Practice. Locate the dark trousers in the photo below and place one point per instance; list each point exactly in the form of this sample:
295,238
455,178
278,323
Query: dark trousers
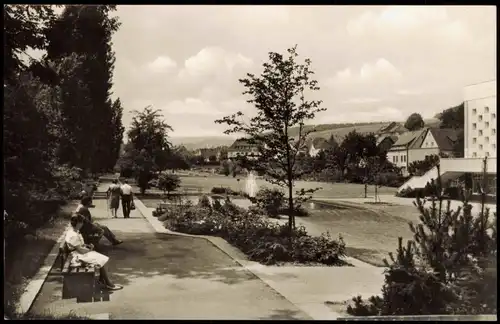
92,233
126,201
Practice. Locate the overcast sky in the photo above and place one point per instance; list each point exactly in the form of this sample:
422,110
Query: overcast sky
372,63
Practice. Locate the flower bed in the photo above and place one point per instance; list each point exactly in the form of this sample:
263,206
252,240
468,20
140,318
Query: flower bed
260,239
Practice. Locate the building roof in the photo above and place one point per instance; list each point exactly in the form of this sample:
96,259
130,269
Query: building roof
382,138
241,144
408,138
445,137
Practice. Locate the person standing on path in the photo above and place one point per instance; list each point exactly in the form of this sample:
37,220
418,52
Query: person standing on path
126,192
113,195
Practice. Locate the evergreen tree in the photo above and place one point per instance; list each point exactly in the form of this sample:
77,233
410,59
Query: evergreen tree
449,268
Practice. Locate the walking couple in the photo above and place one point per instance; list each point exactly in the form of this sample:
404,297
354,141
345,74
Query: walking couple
115,192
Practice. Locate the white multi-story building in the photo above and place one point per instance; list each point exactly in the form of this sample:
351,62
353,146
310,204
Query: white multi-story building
480,129
480,144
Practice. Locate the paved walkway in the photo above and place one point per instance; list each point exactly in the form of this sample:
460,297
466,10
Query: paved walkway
169,277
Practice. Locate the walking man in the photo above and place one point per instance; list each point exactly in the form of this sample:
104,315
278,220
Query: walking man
126,192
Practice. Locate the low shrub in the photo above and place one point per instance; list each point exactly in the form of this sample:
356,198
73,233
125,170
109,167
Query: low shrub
224,191
270,201
261,240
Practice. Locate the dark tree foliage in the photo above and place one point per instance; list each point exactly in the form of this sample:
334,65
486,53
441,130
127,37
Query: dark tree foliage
86,31
453,117
414,122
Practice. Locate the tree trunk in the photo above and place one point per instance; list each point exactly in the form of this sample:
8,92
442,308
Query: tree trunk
291,216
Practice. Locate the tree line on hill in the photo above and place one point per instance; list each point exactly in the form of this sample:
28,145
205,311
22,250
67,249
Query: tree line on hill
60,122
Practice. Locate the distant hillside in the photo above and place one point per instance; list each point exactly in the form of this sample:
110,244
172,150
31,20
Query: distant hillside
341,130
322,131
193,143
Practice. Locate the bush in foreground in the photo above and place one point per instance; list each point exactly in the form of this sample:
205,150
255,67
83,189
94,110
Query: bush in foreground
449,268
257,237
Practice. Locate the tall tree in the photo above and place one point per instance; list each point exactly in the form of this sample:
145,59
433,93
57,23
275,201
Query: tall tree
279,98
86,30
452,117
148,137
414,122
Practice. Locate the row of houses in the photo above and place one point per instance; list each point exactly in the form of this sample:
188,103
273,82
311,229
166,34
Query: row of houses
403,147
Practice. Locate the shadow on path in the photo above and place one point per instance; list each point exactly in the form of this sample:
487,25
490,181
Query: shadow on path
148,255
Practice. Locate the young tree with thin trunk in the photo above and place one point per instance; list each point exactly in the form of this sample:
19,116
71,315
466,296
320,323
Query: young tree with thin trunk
279,95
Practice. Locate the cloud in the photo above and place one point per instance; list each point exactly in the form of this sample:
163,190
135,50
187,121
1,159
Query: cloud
376,114
191,106
361,100
213,61
372,63
379,71
402,20
407,92
162,64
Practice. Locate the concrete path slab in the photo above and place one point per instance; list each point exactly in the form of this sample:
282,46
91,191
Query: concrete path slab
170,277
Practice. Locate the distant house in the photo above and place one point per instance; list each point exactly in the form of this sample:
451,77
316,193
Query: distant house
384,143
398,153
437,141
241,147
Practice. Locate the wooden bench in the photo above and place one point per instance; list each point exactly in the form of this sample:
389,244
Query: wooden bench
79,281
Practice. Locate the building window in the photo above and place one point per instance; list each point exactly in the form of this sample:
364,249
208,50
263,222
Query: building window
487,154
474,111
487,139
494,146
474,154
480,117
393,159
493,131
480,132
426,144
474,125
486,109
474,140
493,116
486,125
480,146
396,158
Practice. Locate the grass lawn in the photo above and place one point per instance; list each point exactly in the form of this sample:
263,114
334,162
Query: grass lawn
329,190
369,234
24,262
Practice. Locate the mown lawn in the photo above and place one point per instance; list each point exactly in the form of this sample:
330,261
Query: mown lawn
328,190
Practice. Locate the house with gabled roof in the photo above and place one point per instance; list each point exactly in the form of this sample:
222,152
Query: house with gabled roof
437,141
242,147
398,153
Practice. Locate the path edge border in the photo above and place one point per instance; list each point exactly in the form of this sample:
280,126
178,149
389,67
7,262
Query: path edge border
35,284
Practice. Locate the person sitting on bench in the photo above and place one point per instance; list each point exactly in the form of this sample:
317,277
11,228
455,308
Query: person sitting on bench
85,253
90,228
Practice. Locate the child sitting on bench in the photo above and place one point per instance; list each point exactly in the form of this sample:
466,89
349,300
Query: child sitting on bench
85,253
